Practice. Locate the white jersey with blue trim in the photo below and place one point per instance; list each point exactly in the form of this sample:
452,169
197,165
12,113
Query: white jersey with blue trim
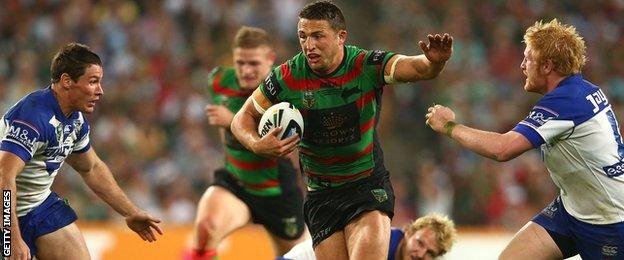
578,134
36,130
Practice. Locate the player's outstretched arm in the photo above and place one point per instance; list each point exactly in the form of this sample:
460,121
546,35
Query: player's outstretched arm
425,66
496,146
99,178
10,166
244,127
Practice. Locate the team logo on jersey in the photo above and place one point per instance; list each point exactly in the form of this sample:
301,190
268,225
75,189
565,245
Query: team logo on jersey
58,128
308,99
609,250
380,195
77,124
290,226
540,115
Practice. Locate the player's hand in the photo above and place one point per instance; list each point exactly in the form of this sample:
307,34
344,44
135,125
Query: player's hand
437,116
142,223
219,115
439,49
19,249
270,145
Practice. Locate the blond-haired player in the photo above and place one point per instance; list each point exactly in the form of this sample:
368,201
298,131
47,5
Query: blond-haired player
575,128
427,237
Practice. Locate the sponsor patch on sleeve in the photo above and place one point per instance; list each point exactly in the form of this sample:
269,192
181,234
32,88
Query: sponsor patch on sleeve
271,87
376,57
539,116
22,133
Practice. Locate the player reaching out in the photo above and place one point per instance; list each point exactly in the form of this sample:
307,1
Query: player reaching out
337,88
37,135
575,128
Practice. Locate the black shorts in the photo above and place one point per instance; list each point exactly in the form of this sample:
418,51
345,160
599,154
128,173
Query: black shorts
281,215
329,211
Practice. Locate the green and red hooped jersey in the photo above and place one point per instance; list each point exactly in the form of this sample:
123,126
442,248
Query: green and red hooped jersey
340,113
258,175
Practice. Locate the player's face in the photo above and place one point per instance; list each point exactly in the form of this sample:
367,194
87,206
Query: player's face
321,44
86,92
252,65
536,80
421,245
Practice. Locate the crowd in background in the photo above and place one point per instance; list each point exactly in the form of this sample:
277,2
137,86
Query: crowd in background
152,131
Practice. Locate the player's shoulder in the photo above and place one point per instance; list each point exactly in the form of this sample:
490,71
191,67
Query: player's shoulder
573,87
31,108
294,68
295,65
222,77
572,99
371,57
222,72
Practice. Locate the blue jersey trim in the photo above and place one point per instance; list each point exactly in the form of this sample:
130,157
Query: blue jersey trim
86,148
569,100
530,133
16,149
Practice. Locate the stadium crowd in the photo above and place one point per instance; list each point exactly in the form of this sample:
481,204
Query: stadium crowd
151,128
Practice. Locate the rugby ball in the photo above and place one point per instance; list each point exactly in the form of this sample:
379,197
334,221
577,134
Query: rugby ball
282,114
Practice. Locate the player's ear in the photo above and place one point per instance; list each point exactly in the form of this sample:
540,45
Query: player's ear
66,81
547,66
342,36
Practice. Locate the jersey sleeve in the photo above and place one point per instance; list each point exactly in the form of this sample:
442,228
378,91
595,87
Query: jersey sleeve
20,135
271,87
83,142
377,61
553,116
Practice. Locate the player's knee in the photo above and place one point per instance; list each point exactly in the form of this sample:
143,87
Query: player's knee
209,226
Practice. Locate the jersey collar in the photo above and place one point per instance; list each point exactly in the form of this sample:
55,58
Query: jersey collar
56,107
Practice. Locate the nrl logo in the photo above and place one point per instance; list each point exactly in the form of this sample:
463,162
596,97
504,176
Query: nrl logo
380,195
308,99
290,226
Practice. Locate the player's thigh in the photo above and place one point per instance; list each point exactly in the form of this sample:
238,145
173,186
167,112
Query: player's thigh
221,211
368,236
531,242
64,243
333,247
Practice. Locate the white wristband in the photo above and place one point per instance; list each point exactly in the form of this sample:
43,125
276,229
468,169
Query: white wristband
389,79
257,106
